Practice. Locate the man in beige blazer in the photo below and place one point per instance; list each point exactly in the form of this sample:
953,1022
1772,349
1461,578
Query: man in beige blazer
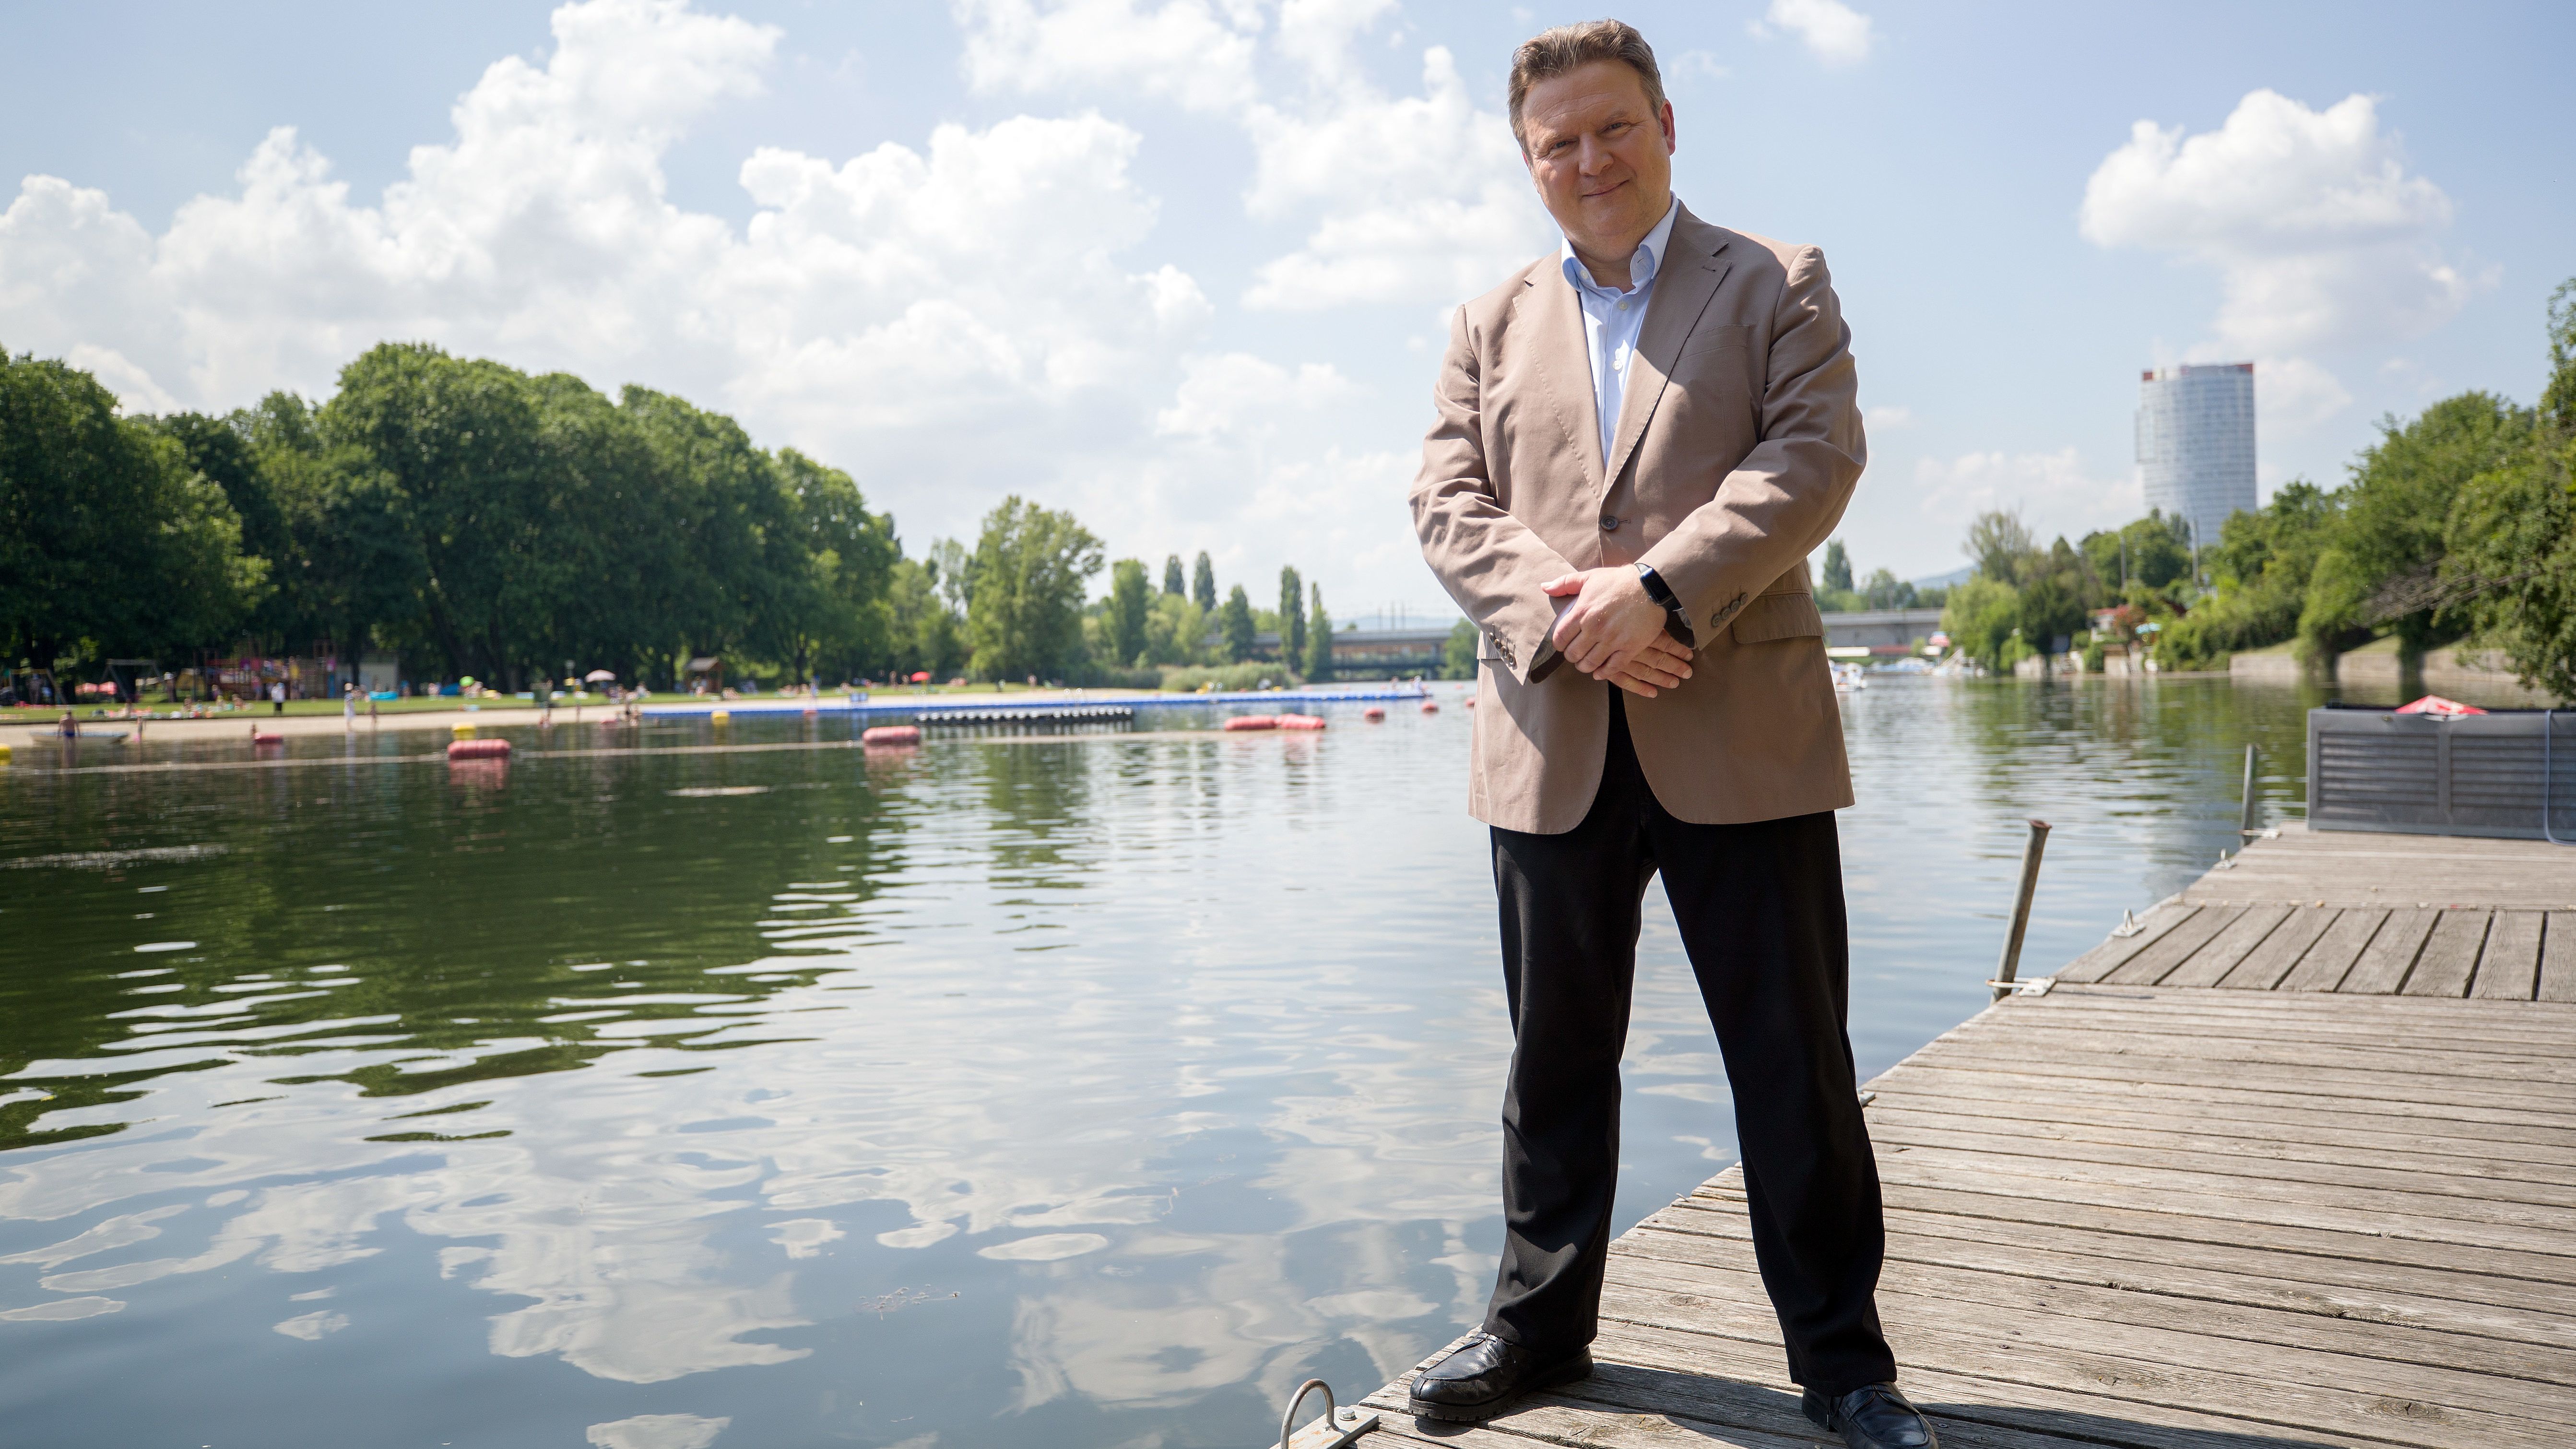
1639,441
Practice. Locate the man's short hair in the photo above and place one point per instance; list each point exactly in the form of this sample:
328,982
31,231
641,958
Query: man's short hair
1570,47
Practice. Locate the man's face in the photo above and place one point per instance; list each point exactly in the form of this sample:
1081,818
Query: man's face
1601,154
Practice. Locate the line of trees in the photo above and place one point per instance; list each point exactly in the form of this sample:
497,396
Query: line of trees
1837,594
482,521
2457,526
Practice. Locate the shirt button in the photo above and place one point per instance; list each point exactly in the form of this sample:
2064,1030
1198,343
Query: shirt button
1609,523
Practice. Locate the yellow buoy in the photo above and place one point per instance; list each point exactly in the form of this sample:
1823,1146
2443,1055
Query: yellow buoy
720,716
4,754
463,729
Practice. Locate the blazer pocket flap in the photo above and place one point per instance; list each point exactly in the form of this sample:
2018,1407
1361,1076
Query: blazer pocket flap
1779,616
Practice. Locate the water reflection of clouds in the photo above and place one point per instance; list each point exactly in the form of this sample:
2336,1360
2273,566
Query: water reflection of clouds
1034,1116
1243,1112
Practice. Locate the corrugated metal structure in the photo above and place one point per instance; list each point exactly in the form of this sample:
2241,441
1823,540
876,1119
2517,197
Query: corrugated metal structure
2510,773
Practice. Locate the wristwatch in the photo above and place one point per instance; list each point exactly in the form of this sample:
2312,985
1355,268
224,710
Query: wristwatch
1676,619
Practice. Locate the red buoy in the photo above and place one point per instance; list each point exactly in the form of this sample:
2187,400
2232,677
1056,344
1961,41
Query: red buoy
1471,704
267,737
1430,707
479,750
1301,722
1373,712
891,735
1252,722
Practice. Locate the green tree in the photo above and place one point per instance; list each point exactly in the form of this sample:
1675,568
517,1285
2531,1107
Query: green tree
2001,545
1319,641
106,533
221,450
1292,618
1175,631
1239,628
924,634
353,566
1838,569
1203,584
1458,651
1981,618
459,441
2054,587
2259,572
2149,553
1032,567
838,624
2381,564
1127,610
1173,582
2510,544
1885,591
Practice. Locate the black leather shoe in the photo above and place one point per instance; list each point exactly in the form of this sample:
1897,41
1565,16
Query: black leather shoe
1875,1416
1479,1379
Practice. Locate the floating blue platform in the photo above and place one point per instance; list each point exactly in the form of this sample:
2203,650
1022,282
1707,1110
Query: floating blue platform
929,708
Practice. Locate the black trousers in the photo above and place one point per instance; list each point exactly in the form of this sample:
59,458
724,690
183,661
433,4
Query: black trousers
1760,908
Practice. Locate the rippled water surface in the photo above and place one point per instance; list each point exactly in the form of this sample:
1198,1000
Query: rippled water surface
1081,1090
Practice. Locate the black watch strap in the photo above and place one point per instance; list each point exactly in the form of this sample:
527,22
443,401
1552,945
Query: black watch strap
1676,622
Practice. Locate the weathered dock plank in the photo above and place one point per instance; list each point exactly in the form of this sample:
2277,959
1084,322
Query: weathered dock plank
2295,1163
2558,957
2509,967
2331,959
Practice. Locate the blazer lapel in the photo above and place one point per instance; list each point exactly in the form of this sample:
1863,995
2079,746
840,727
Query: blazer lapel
1564,371
1683,286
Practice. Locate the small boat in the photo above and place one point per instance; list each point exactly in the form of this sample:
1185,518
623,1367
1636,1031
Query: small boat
1849,677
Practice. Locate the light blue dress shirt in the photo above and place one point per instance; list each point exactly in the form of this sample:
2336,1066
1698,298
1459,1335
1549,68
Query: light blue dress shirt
1612,319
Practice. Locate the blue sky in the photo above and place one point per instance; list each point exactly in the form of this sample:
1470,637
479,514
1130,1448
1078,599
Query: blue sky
1182,267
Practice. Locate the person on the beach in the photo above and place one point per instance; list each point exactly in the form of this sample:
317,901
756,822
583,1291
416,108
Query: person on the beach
277,697
1639,440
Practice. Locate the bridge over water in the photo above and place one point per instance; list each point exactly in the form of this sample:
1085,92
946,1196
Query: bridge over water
1367,653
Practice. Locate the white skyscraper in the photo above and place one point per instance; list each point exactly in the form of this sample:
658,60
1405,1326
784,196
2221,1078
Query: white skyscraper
2196,443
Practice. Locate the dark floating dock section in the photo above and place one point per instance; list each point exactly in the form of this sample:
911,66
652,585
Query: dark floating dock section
1027,714
2294,1163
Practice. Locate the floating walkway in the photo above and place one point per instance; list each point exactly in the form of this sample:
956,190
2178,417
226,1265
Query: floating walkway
904,709
2295,1163
975,714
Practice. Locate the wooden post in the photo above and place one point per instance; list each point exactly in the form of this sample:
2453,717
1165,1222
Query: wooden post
2245,815
2030,853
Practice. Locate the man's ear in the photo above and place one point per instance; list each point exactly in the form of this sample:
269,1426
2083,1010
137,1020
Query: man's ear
1672,138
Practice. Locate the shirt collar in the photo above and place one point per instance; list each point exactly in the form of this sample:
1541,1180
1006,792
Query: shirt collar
1642,266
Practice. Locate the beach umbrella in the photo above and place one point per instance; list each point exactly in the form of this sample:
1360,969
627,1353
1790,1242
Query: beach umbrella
921,676
596,675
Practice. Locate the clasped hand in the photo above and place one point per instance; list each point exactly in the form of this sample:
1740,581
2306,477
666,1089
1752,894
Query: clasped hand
1614,631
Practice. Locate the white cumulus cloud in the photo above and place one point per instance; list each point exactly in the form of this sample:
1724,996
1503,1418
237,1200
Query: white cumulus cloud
2054,492
872,310
1833,32
1184,51
1416,199
2321,236
1440,217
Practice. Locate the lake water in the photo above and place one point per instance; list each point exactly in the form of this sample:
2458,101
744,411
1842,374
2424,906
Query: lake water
1080,1090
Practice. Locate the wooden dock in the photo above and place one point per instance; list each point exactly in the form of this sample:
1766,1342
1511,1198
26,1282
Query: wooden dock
2295,1163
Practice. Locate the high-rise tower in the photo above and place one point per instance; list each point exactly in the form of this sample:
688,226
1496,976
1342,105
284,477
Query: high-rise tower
2196,443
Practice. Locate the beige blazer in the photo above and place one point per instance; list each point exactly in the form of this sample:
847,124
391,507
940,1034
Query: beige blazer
1738,445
